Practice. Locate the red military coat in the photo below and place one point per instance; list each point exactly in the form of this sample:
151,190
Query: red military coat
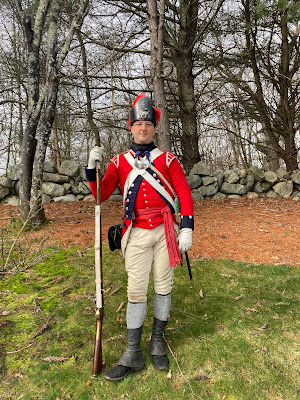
142,196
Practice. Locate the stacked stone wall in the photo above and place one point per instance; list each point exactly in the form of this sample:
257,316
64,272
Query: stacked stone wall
69,184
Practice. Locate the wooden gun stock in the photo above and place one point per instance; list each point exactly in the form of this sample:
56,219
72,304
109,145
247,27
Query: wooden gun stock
97,361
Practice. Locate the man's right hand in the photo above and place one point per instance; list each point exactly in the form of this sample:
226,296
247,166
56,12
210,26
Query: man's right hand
95,155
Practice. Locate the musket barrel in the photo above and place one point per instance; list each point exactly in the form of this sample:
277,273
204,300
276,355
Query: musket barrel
97,360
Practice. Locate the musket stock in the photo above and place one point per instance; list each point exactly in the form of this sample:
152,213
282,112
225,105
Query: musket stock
99,313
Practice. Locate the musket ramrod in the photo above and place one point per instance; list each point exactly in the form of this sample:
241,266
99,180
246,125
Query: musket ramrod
99,312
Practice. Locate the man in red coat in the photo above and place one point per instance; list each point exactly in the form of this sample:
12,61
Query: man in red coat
151,181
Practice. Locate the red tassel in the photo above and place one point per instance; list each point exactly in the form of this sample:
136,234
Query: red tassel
171,240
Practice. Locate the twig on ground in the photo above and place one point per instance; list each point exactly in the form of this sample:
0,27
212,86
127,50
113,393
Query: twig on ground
18,351
181,373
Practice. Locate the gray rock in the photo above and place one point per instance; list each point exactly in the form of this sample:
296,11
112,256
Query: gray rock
296,194
252,195
80,196
49,167
68,198
261,187
200,169
13,172
49,177
4,191
75,189
212,189
203,191
243,173
116,197
231,176
282,173
232,188
84,187
220,177
89,197
70,168
258,173
271,177
81,188
296,176
219,195
234,196
296,198
117,191
208,180
265,186
194,181
271,194
5,181
197,195
11,201
284,189
53,189
67,186
248,183
82,173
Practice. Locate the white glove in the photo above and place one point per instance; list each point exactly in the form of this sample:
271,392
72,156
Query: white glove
95,155
185,239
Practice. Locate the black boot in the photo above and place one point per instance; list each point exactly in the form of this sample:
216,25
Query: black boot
132,360
157,348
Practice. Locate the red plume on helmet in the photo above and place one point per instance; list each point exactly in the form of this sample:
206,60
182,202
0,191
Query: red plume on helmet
150,113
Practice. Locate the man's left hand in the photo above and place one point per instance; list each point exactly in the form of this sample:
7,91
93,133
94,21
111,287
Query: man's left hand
185,239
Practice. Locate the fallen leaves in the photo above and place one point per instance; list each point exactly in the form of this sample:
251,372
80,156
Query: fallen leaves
239,297
264,326
55,359
226,276
121,306
201,378
40,331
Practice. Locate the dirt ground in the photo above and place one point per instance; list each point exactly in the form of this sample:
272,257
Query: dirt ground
257,231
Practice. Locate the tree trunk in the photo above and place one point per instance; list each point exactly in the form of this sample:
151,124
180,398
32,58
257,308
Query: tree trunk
32,151
156,26
90,118
36,208
183,58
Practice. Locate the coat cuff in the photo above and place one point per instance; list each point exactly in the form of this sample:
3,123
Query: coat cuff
187,221
90,174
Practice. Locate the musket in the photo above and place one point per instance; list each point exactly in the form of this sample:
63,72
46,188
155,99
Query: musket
99,311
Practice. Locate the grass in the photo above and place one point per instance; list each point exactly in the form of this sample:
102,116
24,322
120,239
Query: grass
234,336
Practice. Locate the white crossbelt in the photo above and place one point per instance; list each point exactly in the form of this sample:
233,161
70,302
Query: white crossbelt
147,176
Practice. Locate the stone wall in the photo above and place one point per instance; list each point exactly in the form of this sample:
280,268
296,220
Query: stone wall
69,184
253,182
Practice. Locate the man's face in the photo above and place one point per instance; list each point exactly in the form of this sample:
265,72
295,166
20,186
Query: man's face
143,132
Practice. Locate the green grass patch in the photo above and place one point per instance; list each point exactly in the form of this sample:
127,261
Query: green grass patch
234,336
